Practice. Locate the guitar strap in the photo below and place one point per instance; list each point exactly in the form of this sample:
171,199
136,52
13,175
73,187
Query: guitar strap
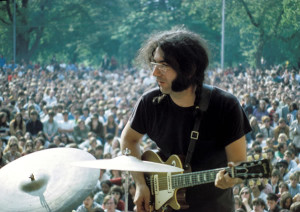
199,109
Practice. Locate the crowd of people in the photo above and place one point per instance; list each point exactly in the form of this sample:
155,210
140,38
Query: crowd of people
69,105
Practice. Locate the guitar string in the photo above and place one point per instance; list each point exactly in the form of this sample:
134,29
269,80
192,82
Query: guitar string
193,178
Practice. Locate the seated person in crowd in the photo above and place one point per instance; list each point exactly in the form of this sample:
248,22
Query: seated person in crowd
272,203
89,204
12,151
294,186
81,132
266,129
3,161
110,204
17,124
286,200
259,205
288,157
50,127
117,193
282,167
281,128
66,126
33,125
274,181
105,189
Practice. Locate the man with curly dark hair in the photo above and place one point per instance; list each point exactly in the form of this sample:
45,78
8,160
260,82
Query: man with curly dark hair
178,59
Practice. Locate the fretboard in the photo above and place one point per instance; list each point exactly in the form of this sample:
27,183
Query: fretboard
195,178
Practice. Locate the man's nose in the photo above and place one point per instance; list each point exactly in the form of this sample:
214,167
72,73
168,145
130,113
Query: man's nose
156,72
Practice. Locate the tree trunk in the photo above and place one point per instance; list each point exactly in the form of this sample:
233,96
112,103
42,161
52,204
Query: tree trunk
259,50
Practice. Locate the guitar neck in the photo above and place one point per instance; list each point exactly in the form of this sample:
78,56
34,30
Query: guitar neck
195,178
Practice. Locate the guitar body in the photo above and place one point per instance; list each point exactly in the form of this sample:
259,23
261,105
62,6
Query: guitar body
167,190
162,194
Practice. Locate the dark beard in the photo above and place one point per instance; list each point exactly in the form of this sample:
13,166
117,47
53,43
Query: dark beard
180,83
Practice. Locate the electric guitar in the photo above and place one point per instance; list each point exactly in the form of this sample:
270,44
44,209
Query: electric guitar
168,189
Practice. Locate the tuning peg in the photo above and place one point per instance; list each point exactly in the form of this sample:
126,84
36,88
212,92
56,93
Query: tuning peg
258,182
264,155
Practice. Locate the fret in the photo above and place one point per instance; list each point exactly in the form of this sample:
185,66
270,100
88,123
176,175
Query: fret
194,178
212,175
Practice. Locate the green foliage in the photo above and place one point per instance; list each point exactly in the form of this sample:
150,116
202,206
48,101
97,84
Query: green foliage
83,31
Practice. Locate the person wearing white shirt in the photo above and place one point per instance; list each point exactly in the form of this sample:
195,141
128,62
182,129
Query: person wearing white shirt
66,125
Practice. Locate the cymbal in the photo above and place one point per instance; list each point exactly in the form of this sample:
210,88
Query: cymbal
45,181
128,163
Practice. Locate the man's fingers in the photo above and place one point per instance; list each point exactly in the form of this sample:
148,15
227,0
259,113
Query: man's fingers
224,181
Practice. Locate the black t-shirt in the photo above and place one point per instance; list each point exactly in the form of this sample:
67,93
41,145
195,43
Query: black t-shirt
170,127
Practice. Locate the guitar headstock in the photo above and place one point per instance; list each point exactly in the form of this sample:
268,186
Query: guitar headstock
253,169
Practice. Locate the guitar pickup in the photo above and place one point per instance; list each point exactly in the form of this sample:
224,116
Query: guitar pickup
169,182
155,184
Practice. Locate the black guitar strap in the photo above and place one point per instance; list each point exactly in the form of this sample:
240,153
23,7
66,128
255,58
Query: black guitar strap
200,108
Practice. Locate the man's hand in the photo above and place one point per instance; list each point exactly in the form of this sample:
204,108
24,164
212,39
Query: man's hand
142,198
223,180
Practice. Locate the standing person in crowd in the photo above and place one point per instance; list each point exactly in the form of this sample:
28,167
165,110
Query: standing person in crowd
17,124
34,126
50,127
178,59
